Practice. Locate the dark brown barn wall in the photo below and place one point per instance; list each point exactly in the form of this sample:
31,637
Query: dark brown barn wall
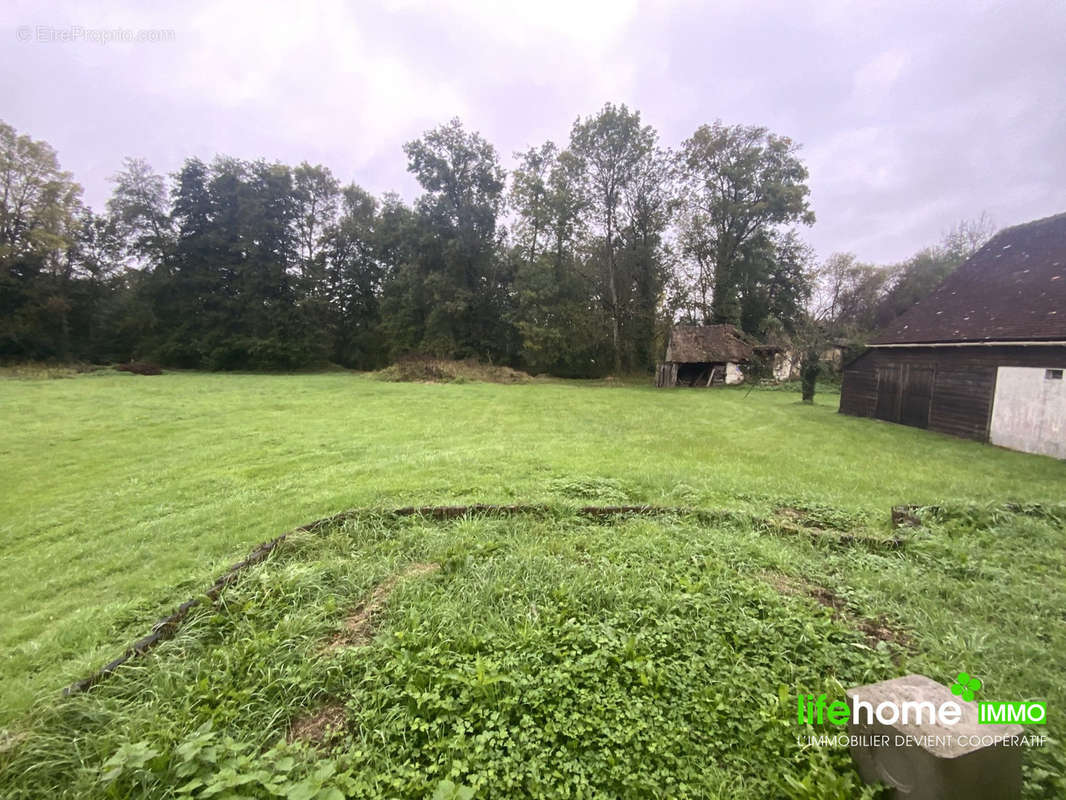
962,400
858,394
963,383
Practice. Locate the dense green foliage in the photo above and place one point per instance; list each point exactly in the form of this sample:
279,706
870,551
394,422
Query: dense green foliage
251,265
37,221
742,184
574,265
552,656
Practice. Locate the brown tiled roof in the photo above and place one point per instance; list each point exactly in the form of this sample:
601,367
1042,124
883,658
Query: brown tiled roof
1012,289
707,343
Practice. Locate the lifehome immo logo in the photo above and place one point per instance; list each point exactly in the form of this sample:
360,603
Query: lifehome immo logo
817,710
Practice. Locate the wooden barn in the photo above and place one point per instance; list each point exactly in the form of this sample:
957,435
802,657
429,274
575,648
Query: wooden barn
983,356
704,355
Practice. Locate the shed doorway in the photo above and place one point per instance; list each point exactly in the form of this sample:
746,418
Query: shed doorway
700,374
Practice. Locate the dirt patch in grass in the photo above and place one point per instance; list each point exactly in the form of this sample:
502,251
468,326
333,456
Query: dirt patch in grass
829,527
820,518
9,740
319,726
359,627
875,630
423,369
797,516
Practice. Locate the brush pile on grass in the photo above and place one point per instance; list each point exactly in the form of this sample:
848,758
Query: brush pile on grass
425,369
40,370
140,368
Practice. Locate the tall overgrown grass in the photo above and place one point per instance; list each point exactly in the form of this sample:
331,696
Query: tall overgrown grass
551,656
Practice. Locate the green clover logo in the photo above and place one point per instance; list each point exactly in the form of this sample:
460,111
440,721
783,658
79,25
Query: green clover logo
966,686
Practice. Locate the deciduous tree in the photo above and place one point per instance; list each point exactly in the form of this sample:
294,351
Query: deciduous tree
455,301
611,149
741,182
40,210
140,208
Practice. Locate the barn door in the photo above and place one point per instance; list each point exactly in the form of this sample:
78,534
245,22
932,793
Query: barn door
888,393
917,395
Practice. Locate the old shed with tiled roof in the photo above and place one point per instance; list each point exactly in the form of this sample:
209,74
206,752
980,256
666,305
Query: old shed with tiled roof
704,355
984,355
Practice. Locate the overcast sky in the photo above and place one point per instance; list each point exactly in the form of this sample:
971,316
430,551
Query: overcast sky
912,115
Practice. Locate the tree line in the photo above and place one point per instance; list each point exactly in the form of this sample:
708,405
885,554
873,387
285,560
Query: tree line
575,264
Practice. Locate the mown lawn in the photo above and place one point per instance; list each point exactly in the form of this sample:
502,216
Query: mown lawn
123,495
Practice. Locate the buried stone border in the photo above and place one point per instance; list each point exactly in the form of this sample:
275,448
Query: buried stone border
834,538
167,627
911,516
879,629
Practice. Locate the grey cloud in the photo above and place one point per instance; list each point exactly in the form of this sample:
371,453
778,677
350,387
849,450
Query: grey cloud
912,115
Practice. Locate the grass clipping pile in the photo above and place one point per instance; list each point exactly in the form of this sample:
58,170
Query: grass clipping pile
424,369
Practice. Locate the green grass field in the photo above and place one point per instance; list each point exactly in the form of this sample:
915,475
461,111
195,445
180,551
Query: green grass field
124,495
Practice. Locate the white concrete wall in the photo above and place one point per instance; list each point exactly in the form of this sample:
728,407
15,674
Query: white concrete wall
733,373
1029,411
784,364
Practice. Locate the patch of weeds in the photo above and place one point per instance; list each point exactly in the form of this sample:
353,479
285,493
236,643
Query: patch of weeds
553,655
876,630
359,626
821,517
209,764
827,781
579,487
839,540
832,526
984,517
